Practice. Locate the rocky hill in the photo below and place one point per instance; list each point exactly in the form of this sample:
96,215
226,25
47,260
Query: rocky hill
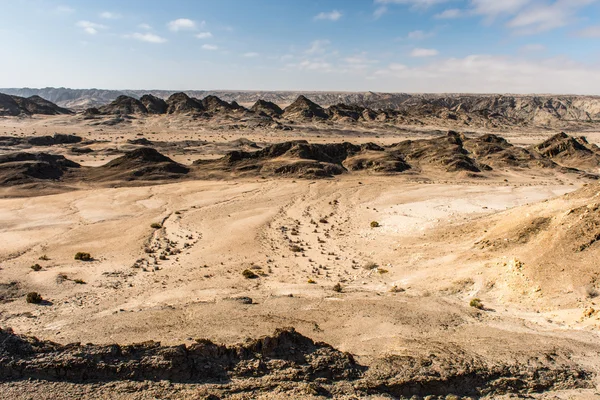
15,106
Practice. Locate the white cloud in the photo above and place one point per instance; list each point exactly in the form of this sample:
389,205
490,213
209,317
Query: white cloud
211,47
331,16
494,8
148,37
450,13
544,17
182,24
63,10
418,52
590,32
414,3
532,48
204,35
318,47
493,74
315,66
110,15
359,62
251,54
379,12
420,35
144,26
91,28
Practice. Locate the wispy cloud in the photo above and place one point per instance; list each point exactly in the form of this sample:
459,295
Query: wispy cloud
418,52
147,37
318,46
110,15
182,24
63,10
91,28
204,35
330,16
532,48
144,26
480,73
379,12
544,17
210,47
420,35
590,32
450,13
414,3
251,54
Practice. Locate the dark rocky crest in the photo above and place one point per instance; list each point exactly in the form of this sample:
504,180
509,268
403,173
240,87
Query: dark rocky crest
267,108
154,105
181,103
141,164
124,105
21,168
303,108
15,106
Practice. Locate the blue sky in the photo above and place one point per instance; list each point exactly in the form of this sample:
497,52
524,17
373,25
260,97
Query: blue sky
505,46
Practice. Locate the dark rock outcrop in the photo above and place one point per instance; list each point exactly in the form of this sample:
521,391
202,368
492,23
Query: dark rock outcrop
215,105
153,104
124,105
287,355
267,108
446,153
20,168
141,164
181,103
303,108
15,105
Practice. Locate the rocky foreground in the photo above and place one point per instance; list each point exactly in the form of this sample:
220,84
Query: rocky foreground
285,361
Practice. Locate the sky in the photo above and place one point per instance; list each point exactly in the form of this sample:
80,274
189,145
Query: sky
435,46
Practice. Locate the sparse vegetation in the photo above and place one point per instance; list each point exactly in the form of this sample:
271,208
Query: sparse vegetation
295,248
338,288
79,281
44,258
249,274
34,298
476,303
81,256
155,225
311,281
370,265
396,289
36,267
375,224
382,271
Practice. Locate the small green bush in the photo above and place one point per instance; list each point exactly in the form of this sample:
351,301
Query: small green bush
83,256
375,224
155,225
249,274
34,298
36,267
476,303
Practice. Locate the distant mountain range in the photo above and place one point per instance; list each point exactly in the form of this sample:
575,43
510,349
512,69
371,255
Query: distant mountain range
85,98
475,110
